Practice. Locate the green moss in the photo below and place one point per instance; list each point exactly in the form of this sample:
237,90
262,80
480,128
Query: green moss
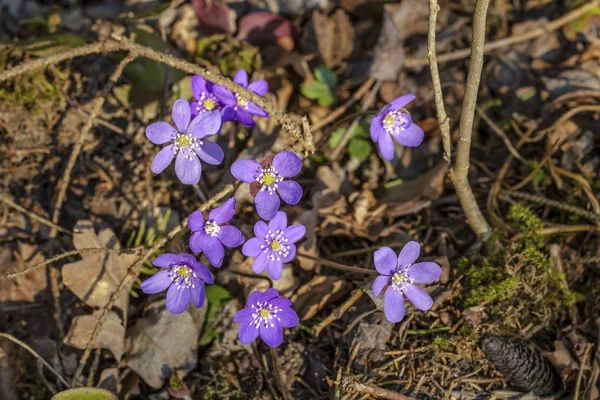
31,90
443,343
494,292
228,53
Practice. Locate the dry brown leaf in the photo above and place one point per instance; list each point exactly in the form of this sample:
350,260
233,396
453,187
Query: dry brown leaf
428,186
335,36
562,359
95,277
23,288
312,297
161,343
111,335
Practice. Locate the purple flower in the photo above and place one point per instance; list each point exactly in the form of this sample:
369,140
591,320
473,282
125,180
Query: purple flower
273,245
186,142
184,276
393,121
205,100
237,108
210,232
267,180
399,275
265,314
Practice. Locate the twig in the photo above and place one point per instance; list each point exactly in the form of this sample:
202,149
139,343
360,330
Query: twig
302,135
586,352
16,274
6,200
352,385
570,114
277,374
442,117
344,107
511,40
133,272
496,129
34,353
341,267
367,103
96,108
339,312
561,205
460,170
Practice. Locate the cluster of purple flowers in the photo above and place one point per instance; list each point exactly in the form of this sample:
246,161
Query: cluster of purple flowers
270,181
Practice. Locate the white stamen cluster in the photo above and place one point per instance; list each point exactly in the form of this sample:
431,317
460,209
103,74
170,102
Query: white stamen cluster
185,143
241,102
181,276
269,179
264,313
212,228
400,279
396,121
275,247
207,102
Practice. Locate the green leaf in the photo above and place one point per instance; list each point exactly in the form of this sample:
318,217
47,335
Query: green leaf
335,137
325,75
318,91
359,148
217,295
85,394
362,131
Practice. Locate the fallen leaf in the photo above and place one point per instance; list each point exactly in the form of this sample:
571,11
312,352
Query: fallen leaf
111,335
429,186
96,276
389,51
263,29
161,343
26,287
374,335
313,296
214,17
334,35
562,359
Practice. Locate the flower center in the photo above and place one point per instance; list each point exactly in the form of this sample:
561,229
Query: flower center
269,178
207,102
396,121
265,313
242,102
399,279
275,247
185,143
181,275
212,228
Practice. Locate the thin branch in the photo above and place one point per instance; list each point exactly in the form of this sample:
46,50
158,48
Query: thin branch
8,201
339,266
35,354
584,358
511,40
133,273
16,274
498,131
96,108
460,170
288,123
442,117
352,385
339,312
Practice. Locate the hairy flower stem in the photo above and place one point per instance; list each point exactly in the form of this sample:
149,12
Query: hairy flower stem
459,160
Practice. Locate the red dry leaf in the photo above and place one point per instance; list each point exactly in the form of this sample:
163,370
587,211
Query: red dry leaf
264,29
214,17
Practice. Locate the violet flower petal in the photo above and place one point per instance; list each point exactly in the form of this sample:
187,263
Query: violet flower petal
245,170
266,204
385,261
230,236
244,117
287,164
386,146
157,282
196,241
160,132
269,295
181,114
424,272
198,86
271,335
288,318
163,159
177,299
402,101
393,305
248,333
244,315
409,254
279,222
252,247
241,78
290,191
213,249
379,283
196,221
376,128
410,137
260,263
274,269
166,260
205,124
418,297
260,87
294,233
224,213
188,169
253,298
260,229
290,256
198,293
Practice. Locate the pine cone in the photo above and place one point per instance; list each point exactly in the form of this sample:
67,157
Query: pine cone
525,369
